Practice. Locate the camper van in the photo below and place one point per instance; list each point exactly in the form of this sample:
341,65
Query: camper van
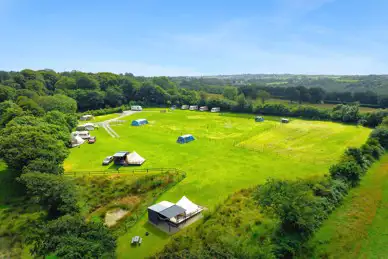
215,109
193,107
86,117
185,107
203,108
136,108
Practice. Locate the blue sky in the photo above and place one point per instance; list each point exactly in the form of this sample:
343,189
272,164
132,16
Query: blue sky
170,37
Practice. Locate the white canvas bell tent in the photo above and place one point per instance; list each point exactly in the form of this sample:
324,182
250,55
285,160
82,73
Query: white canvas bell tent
134,159
188,205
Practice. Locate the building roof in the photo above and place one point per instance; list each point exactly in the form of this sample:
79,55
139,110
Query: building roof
172,211
161,206
121,154
82,132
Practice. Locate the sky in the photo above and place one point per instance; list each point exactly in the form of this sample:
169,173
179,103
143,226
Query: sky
192,38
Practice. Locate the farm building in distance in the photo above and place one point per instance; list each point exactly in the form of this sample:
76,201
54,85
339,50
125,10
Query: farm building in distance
173,215
185,139
215,109
259,119
139,122
86,117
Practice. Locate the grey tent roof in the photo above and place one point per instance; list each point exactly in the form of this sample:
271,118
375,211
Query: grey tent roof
172,211
161,206
121,154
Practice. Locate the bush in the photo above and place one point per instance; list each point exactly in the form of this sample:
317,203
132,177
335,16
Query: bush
348,171
381,135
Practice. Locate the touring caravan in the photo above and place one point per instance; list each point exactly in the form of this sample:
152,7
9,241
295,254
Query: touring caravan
136,108
215,109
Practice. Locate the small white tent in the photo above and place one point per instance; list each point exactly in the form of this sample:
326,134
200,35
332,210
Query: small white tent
188,205
134,159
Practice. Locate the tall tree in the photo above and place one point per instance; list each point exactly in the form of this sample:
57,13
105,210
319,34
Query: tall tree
263,95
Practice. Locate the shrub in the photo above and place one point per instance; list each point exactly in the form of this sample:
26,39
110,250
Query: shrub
348,171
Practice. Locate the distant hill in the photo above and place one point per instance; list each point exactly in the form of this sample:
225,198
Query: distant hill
330,83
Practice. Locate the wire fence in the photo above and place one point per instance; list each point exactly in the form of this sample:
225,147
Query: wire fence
123,170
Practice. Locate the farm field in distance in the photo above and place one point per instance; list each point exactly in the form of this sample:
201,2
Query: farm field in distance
230,152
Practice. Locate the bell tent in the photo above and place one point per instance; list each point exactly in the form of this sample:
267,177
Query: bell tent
134,159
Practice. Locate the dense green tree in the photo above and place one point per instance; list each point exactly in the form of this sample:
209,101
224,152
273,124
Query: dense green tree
55,193
21,144
89,100
151,93
58,102
230,92
114,96
317,94
263,96
381,134
29,74
28,104
87,82
36,86
8,111
349,171
164,82
7,93
65,83
107,79
130,86
28,93
50,78
72,237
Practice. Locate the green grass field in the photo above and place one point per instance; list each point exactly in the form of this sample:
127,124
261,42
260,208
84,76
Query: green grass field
327,106
358,229
230,152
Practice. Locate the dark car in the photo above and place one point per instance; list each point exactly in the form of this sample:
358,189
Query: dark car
107,160
92,140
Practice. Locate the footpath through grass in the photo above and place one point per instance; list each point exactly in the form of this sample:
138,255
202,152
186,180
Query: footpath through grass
230,152
358,229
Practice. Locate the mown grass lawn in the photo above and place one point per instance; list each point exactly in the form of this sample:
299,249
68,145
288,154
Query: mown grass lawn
230,152
327,106
358,229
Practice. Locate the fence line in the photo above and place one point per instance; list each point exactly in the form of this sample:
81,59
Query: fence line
123,170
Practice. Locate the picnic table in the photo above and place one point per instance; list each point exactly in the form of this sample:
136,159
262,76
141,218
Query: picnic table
136,240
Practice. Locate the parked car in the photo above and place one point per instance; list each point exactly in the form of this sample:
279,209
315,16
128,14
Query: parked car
92,140
107,160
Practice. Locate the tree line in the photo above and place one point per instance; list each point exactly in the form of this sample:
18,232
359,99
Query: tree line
34,134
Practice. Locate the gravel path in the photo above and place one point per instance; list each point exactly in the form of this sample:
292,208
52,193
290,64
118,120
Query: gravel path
106,126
